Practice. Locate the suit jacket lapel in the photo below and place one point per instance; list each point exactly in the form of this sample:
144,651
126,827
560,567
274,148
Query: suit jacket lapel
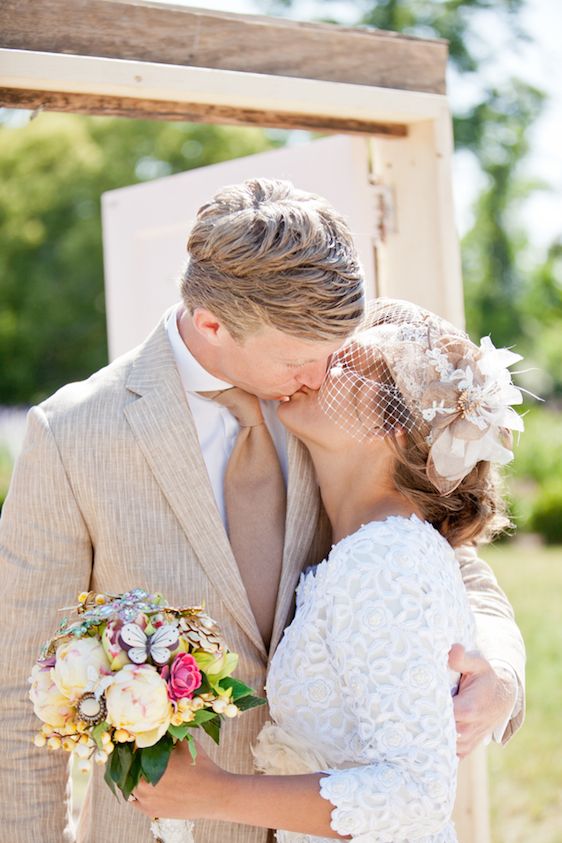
162,423
302,515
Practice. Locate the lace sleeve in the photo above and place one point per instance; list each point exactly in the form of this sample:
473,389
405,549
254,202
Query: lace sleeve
390,633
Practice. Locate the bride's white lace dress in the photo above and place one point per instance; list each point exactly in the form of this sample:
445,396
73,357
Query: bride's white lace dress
359,687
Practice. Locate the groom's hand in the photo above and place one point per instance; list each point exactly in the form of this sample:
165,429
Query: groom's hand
484,701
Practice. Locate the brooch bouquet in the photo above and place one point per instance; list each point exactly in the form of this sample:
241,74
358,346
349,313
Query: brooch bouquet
125,678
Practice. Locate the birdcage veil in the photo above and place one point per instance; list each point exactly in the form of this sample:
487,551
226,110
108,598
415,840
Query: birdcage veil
407,368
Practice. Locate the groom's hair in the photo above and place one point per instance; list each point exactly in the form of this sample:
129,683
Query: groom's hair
264,253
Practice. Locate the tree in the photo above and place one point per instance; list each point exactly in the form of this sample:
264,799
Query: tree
52,173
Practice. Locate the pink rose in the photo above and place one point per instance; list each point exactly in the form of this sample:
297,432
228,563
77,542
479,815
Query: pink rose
183,677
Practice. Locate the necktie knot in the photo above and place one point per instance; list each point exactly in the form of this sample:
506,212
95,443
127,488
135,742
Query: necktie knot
244,407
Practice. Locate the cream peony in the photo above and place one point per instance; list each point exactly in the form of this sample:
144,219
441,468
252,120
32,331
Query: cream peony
79,666
137,701
48,703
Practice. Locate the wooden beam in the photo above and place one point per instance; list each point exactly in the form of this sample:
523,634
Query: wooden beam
167,34
24,70
144,109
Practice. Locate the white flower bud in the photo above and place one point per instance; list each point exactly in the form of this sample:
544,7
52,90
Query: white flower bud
83,750
231,710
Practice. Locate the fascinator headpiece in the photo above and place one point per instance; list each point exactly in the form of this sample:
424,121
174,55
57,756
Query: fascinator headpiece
407,368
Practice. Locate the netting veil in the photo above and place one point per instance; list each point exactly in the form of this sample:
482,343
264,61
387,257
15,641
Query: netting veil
407,368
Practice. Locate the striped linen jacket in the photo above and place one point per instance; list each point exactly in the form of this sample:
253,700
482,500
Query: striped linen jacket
111,492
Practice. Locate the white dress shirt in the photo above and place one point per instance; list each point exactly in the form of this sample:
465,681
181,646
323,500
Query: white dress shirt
216,427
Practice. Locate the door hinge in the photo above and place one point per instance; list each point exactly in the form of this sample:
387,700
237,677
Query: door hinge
385,210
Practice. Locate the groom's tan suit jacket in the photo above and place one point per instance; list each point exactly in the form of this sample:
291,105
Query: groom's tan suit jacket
111,492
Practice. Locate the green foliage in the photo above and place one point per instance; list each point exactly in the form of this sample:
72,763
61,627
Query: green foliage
534,476
120,766
52,174
154,759
495,283
238,688
538,453
213,729
98,731
546,513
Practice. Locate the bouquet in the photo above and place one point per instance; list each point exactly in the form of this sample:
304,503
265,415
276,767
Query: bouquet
127,677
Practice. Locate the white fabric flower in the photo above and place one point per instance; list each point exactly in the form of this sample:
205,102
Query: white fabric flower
80,664
137,700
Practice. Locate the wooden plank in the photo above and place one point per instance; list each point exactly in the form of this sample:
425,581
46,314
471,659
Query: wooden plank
60,73
144,31
143,109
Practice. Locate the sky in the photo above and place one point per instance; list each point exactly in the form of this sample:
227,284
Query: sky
537,62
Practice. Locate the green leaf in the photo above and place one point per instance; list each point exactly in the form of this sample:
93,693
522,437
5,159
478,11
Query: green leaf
98,731
133,777
108,780
192,747
246,703
239,689
121,760
154,759
179,732
202,716
212,727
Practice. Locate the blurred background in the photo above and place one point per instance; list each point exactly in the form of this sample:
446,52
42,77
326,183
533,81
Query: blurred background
506,96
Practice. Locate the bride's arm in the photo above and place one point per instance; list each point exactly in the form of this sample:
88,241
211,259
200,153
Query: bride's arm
204,790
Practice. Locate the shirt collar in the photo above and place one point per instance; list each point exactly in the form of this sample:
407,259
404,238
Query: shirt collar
193,376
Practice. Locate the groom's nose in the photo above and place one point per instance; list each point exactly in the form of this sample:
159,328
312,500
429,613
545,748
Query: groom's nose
312,375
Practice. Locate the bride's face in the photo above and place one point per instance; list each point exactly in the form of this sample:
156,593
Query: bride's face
305,416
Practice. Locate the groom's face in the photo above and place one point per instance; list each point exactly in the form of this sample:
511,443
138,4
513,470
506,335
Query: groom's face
273,365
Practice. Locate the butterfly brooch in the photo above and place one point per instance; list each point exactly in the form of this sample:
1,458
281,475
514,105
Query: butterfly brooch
141,647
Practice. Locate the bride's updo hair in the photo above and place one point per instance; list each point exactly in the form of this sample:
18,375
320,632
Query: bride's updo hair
474,512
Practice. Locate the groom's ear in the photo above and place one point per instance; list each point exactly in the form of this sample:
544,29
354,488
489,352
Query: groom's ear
209,326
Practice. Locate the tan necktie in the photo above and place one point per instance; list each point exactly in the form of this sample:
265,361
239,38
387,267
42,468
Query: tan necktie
255,499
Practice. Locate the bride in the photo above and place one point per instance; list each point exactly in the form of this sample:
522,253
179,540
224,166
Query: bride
403,434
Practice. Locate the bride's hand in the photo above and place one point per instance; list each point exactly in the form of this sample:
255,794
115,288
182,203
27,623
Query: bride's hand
185,791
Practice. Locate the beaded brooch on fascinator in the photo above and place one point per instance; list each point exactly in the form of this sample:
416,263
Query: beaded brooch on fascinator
407,368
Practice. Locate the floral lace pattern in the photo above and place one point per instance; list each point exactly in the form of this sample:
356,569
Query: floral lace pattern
359,686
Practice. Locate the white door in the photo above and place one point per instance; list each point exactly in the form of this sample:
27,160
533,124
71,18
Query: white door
145,227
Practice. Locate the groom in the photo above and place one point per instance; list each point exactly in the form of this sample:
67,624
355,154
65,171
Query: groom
131,479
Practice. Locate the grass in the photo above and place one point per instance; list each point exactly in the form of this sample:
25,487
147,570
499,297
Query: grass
526,775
